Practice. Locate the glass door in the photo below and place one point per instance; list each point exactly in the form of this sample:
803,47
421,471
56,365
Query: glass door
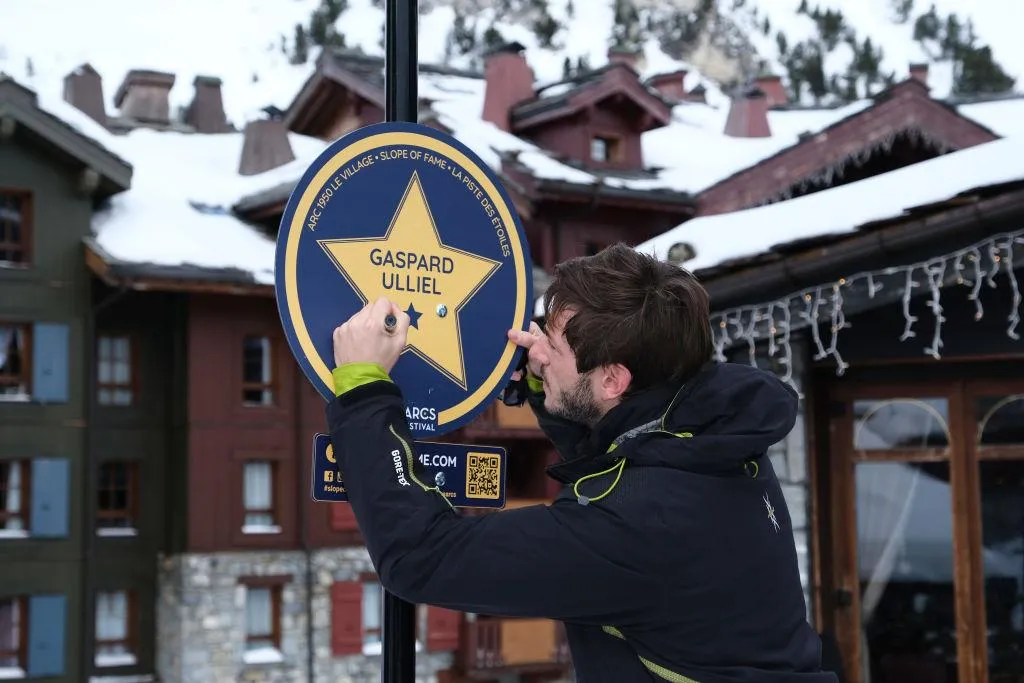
995,412
899,529
926,520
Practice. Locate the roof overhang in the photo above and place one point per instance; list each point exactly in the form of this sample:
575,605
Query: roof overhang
964,219
151,277
905,108
614,82
101,171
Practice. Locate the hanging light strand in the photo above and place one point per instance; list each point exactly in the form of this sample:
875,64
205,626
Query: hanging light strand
775,321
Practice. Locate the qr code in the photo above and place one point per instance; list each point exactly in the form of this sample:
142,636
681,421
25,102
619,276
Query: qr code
483,476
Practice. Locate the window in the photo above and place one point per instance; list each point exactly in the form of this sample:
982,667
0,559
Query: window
263,623
114,621
13,636
257,372
603,149
13,498
15,368
373,612
116,499
15,227
114,371
259,498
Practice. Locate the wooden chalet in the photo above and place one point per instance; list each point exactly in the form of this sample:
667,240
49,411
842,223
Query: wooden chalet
184,424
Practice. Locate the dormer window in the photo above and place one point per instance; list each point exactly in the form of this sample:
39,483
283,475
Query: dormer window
604,150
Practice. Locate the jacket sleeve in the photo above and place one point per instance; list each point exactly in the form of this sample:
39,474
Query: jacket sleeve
562,433
563,561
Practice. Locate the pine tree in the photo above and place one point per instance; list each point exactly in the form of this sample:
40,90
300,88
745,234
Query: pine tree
781,43
570,9
492,39
300,51
567,67
977,73
464,36
901,10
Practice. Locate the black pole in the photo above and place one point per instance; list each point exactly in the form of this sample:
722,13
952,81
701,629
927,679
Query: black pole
401,104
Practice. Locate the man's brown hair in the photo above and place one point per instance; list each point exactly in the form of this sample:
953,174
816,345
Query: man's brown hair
629,308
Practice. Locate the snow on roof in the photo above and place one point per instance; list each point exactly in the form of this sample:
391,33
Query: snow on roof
1003,116
178,210
843,209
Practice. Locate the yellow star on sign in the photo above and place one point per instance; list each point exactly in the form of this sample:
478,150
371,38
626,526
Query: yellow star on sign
413,268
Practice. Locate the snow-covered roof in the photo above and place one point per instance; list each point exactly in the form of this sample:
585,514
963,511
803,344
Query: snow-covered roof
692,153
725,237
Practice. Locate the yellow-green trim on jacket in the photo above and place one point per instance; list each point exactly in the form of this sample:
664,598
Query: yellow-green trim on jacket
351,375
536,384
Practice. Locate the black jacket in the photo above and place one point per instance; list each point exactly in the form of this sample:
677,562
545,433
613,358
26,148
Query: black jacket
669,554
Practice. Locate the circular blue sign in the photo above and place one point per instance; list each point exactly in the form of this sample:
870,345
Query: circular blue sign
404,211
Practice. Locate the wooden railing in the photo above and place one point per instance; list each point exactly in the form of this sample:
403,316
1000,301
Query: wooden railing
490,644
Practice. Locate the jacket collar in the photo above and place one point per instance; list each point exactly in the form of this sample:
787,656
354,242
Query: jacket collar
592,452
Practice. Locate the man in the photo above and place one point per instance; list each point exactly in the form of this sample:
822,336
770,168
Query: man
669,554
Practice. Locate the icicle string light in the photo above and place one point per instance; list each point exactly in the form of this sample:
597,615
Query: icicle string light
775,321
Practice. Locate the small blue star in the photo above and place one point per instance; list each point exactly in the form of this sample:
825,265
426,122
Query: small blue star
414,316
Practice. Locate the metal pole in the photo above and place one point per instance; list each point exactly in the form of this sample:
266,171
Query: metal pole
401,104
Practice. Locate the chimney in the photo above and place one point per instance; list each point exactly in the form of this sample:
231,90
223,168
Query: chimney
144,96
265,146
670,85
508,80
206,111
748,115
774,91
919,71
624,55
83,89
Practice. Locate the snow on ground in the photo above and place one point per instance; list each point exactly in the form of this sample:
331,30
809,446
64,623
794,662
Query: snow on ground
842,209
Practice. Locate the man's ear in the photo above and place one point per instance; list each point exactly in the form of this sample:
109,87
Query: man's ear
615,380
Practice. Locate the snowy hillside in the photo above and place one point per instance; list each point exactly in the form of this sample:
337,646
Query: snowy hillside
899,31
252,44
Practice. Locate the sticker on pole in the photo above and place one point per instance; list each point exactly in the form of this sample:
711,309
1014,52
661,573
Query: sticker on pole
469,476
403,211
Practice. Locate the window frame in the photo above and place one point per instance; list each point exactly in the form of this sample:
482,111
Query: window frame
21,653
132,385
25,501
274,511
26,247
131,639
132,509
275,585
27,360
272,385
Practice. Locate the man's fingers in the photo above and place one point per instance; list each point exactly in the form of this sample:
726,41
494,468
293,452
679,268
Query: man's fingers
520,338
535,328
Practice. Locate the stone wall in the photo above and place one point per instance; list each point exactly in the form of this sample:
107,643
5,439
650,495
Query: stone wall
201,620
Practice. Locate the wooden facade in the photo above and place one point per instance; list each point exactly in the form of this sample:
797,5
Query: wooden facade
162,416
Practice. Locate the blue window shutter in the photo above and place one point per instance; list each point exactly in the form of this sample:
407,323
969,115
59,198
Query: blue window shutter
50,489
46,625
50,362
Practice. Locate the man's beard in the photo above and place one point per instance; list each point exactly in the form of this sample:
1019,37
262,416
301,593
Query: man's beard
577,403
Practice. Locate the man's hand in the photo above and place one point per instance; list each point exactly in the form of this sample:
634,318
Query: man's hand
363,338
529,341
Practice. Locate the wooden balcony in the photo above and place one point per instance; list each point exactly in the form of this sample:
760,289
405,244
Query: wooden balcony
500,421
492,646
